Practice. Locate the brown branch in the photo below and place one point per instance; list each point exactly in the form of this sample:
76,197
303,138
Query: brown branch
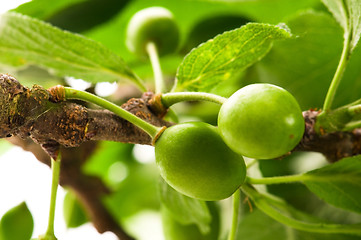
334,146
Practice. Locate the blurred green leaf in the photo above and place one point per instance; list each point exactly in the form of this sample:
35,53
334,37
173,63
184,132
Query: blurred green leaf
17,223
284,213
184,209
250,225
338,183
231,52
348,15
174,230
42,10
137,192
337,8
4,146
305,65
24,40
73,212
354,9
76,15
129,180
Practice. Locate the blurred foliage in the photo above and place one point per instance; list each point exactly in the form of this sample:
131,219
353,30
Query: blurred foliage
4,146
17,223
74,215
129,180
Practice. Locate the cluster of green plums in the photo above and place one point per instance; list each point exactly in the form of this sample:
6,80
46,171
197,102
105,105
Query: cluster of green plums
260,121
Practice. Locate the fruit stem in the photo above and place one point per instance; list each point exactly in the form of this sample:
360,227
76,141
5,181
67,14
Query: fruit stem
55,166
338,74
154,59
278,179
235,208
168,99
81,95
264,204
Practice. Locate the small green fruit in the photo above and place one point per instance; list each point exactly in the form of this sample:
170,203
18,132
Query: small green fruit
195,161
261,121
154,24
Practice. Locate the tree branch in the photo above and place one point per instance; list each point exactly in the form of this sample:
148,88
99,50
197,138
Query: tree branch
334,146
32,112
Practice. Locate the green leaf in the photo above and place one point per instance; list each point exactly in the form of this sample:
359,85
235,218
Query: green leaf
284,213
227,54
17,223
41,10
249,228
354,8
184,209
305,65
176,231
337,8
338,184
25,41
348,15
74,214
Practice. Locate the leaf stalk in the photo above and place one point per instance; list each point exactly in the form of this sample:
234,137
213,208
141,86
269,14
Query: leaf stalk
338,74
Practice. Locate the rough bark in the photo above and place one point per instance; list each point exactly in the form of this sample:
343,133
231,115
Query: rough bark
334,146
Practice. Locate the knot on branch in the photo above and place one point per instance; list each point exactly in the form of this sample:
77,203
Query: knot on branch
19,105
334,146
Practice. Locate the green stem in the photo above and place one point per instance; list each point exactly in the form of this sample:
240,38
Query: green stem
338,74
354,110
352,125
277,180
168,99
262,203
55,166
154,59
236,199
81,95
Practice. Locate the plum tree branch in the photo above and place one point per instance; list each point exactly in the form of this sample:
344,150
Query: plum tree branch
36,113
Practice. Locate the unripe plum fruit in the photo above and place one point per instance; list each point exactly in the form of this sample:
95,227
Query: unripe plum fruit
153,24
261,121
194,160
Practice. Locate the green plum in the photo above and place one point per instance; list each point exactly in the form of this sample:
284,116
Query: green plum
153,24
261,121
194,160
